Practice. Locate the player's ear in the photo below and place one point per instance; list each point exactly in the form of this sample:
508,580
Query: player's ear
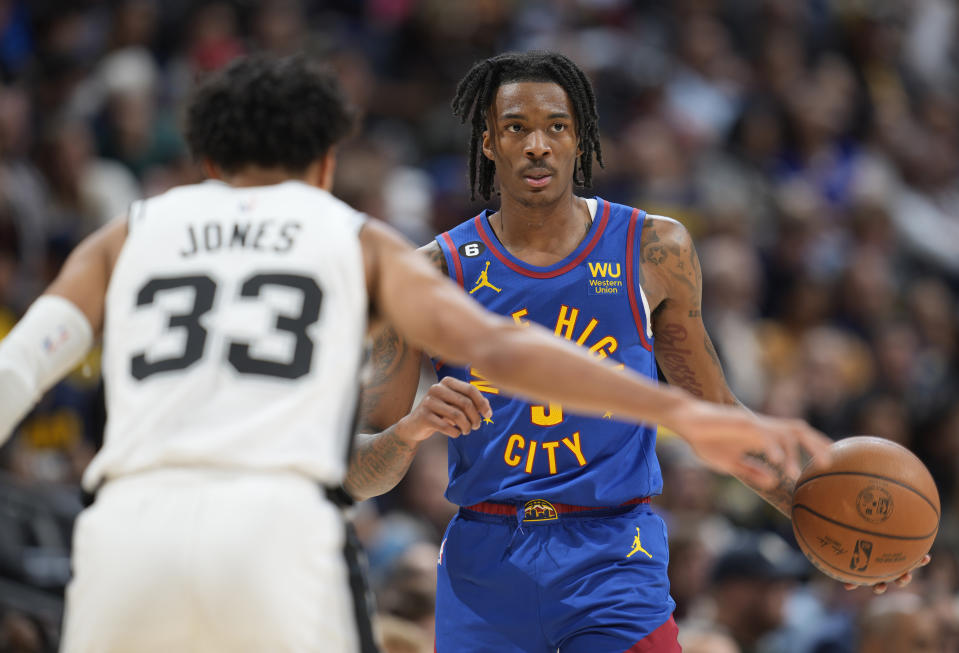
487,145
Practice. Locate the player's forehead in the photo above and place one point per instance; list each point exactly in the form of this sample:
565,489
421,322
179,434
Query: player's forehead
528,99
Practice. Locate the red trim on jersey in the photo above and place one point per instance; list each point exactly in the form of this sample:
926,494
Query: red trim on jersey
630,285
664,639
538,274
457,265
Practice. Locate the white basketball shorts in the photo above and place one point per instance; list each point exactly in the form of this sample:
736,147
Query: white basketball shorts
209,561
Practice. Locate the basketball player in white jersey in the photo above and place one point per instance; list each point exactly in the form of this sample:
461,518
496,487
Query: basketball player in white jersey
234,314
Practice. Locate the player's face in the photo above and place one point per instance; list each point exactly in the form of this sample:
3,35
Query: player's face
533,142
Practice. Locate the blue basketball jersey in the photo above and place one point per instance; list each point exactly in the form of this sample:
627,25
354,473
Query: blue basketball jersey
592,298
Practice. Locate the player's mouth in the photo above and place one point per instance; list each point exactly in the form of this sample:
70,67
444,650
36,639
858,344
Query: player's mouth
538,178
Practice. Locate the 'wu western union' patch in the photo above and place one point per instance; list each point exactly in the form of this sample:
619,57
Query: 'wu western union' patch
605,277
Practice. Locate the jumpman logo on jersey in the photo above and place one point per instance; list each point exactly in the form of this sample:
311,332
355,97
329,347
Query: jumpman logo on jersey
483,280
638,546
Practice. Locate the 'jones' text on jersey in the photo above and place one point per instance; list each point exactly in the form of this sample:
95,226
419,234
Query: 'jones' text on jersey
234,330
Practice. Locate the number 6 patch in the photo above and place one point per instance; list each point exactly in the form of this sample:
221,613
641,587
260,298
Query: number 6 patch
472,249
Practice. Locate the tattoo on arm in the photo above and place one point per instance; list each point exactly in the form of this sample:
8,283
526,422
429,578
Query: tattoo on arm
435,256
781,495
672,354
379,462
389,351
681,265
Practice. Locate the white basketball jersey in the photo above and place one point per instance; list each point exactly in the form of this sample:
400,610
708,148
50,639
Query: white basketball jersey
234,332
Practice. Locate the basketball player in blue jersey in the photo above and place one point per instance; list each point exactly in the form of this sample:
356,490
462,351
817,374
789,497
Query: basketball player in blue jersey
554,546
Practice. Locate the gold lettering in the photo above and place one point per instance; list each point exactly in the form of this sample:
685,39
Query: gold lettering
515,440
597,349
530,456
562,321
588,330
551,452
539,416
574,446
618,271
518,317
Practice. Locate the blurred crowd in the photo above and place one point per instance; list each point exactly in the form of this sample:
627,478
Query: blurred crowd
810,146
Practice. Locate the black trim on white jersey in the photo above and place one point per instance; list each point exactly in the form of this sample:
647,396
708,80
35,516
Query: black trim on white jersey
362,596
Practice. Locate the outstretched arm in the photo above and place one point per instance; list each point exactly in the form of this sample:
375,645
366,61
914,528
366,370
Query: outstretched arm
670,267
430,311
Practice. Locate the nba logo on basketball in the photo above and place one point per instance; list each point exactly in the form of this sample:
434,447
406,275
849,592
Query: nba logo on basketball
860,556
874,504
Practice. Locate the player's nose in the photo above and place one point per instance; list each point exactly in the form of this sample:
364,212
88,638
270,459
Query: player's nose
537,145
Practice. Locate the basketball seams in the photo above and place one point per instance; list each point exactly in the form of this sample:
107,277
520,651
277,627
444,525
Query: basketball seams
836,522
876,476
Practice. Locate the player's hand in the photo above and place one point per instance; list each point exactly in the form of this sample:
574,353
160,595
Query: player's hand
752,447
902,581
452,407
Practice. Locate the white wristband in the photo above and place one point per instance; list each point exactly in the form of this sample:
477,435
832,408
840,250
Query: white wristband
51,339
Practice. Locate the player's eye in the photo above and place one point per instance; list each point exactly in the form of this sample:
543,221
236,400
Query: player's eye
558,127
514,128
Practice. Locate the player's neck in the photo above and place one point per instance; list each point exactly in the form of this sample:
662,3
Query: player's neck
259,177
533,232
318,174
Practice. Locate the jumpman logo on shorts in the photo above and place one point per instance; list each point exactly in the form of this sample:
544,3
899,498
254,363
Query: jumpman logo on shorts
638,546
483,281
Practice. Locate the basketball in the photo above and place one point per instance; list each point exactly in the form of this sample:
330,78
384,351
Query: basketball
869,515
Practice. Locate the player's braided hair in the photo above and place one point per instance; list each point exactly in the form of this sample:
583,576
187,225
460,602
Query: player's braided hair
476,93
268,111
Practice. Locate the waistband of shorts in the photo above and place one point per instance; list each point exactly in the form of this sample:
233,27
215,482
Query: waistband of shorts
544,510
335,494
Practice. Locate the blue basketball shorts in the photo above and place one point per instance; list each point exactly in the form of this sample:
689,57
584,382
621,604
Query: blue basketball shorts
585,582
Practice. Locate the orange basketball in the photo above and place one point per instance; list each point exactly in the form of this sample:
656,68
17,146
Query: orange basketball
869,515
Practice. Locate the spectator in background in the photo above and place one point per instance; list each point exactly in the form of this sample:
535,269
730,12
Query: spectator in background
9,260
133,128
749,584
86,191
706,640
898,623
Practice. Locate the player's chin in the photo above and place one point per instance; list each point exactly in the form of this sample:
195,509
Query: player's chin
535,197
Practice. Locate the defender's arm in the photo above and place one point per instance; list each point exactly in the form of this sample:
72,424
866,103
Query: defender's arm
59,328
670,266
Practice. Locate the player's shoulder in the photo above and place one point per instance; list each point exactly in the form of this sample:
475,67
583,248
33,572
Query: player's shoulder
661,228
434,254
462,235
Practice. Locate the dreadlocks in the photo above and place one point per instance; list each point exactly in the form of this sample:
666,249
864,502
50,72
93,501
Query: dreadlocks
476,93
